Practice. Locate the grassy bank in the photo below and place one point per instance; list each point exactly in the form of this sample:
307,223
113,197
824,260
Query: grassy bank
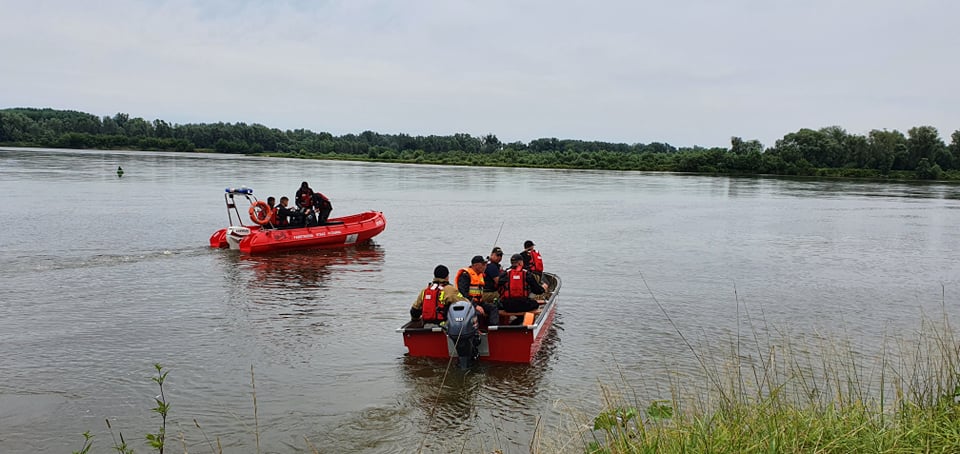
788,394
767,391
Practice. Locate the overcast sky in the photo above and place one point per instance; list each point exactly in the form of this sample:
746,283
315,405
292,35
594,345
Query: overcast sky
685,72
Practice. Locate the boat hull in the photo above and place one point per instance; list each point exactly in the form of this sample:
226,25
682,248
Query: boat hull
339,232
504,343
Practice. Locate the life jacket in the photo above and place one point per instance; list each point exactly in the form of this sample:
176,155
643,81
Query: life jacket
433,310
275,218
536,264
476,283
516,285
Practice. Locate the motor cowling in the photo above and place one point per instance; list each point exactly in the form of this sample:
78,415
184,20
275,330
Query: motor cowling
462,329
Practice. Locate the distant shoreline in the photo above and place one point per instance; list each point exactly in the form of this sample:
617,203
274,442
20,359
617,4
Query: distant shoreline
829,152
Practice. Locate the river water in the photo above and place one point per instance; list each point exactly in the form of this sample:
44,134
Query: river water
103,277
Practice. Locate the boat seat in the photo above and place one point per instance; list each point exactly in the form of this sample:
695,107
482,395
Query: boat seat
528,317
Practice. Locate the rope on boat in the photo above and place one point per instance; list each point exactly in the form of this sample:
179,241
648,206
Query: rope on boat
433,408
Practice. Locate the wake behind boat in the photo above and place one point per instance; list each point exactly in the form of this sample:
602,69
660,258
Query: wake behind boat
257,238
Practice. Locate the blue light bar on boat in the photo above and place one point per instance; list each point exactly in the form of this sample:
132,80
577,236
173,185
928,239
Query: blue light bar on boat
241,190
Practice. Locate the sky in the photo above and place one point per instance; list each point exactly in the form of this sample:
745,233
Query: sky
683,72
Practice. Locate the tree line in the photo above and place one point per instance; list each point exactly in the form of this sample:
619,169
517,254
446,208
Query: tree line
831,151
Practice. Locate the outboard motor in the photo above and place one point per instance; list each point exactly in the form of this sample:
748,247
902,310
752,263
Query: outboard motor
462,330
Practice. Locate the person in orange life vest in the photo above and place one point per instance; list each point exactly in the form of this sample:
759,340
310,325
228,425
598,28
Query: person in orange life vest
304,201
516,285
470,282
431,304
532,260
283,214
491,275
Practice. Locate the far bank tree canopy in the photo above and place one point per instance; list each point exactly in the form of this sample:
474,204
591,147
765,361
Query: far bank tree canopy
830,151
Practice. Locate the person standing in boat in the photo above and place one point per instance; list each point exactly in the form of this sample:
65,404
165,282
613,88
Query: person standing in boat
322,206
516,284
470,282
491,275
431,304
304,199
532,260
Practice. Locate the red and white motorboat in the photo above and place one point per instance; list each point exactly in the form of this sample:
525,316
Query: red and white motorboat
263,237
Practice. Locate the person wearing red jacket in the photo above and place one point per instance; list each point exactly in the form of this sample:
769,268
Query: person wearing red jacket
516,285
532,260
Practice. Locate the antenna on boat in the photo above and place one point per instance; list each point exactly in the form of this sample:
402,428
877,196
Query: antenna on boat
498,234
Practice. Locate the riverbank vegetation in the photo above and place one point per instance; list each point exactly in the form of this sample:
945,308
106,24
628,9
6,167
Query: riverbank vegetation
790,395
770,391
920,154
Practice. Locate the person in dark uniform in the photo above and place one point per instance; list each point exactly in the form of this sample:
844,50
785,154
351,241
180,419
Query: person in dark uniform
304,201
491,275
322,206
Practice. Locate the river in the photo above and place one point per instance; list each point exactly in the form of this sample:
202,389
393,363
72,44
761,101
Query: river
103,277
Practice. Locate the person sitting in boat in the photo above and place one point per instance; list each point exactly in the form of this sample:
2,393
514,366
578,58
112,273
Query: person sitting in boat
470,281
516,284
283,215
532,260
322,206
491,275
431,304
304,199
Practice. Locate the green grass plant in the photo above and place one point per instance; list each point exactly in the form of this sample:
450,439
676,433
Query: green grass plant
782,393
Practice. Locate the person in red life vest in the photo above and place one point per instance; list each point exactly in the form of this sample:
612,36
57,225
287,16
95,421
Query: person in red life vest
431,304
304,201
516,285
532,260
491,275
470,281
283,215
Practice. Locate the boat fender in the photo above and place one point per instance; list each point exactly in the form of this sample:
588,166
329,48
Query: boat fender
461,319
260,212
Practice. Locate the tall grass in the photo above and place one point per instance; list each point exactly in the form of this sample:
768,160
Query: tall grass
790,394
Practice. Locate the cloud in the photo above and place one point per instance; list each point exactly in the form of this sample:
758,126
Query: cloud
689,73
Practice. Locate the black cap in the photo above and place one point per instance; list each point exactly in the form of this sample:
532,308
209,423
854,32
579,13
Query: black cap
516,258
527,244
496,250
441,271
477,259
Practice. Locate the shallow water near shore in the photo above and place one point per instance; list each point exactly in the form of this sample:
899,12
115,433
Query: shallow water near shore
105,276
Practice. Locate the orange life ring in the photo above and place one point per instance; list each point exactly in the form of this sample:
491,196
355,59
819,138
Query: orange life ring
260,212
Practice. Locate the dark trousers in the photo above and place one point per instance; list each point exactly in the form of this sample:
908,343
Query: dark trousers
322,214
519,304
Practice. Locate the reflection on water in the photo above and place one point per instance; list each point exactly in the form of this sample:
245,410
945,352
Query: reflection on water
489,406
294,301
309,269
